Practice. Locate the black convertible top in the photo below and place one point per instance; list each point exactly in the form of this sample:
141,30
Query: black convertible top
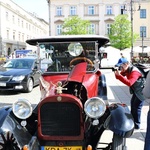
70,38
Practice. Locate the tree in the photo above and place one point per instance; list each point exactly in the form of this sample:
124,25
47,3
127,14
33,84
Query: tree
75,25
120,33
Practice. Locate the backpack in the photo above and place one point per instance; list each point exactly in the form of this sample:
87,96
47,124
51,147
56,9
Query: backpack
143,69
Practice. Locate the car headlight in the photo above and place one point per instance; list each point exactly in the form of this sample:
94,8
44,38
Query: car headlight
94,107
18,78
22,109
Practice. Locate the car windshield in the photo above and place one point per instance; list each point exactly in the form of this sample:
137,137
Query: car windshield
59,55
19,63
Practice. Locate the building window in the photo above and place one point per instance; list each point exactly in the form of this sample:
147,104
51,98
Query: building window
91,29
91,10
7,16
23,37
59,11
7,34
14,35
72,10
108,27
22,24
142,31
58,29
26,25
109,10
18,22
13,19
143,13
122,10
19,36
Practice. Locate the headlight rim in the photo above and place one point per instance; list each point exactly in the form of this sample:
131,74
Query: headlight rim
88,101
25,101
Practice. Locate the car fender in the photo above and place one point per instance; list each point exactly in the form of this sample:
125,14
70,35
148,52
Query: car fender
121,120
4,112
10,127
102,87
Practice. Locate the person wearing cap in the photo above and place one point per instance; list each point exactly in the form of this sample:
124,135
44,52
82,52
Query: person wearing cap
132,77
120,59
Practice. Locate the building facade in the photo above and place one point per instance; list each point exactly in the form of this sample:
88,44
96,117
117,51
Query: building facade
101,14
18,25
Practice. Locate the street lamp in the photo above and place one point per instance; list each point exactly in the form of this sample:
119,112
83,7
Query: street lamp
132,11
49,12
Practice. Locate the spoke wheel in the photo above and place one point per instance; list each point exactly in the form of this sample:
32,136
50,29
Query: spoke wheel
8,142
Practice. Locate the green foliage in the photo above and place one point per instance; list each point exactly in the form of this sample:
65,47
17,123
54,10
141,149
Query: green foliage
120,33
75,26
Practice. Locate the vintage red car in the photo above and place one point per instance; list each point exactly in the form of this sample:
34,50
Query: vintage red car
74,110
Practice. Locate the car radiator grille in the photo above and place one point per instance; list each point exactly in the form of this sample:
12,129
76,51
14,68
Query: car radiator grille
5,78
60,119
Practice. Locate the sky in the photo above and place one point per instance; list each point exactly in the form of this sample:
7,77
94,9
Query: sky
39,7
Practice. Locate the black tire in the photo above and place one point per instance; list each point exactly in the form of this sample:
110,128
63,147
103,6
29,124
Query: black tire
118,143
29,85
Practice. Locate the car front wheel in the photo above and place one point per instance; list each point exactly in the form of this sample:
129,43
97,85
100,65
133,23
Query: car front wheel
29,85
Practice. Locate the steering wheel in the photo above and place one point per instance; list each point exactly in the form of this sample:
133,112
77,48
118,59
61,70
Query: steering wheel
84,59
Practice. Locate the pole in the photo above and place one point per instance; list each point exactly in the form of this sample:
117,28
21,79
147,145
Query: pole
142,44
49,12
131,29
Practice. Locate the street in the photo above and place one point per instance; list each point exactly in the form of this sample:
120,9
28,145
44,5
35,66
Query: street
8,97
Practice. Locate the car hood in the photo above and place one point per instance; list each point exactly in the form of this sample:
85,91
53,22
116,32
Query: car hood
14,72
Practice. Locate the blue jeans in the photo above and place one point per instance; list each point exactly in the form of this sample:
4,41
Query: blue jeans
147,138
136,106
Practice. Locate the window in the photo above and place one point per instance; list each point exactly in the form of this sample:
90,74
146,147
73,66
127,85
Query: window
91,10
108,27
123,10
59,11
58,29
23,37
13,19
109,10
14,35
18,22
22,24
143,13
143,31
19,36
91,29
7,16
72,10
7,34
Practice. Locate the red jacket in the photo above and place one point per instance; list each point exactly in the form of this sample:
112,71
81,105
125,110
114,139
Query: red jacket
131,77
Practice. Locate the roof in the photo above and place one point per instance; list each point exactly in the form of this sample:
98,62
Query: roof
70,38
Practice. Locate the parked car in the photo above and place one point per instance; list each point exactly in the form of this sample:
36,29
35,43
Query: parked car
19,74
74,111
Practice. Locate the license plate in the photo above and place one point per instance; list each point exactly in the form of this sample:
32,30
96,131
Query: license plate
2,84
61,148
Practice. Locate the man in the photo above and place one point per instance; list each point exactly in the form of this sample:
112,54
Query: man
146,92
132,77
120,59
